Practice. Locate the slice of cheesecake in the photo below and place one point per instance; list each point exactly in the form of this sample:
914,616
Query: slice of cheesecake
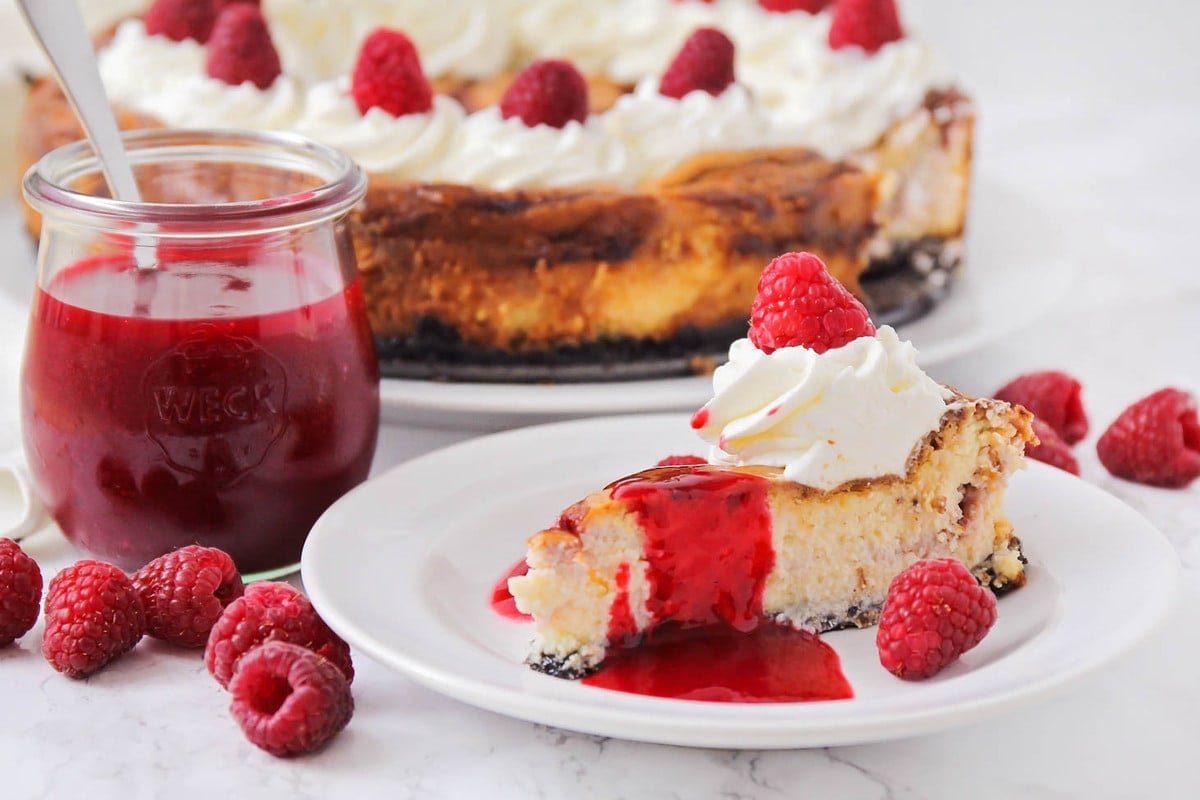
699,545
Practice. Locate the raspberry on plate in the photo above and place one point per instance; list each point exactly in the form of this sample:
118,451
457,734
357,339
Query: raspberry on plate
93,616
547,92
181,19
1155,441
240,48
20,592
1051,449
185,592
271,611
704,63
933,613
1052,396
288,700
388,75
869,24
800,304
811,6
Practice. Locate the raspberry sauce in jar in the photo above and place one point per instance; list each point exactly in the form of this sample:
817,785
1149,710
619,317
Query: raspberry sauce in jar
198,373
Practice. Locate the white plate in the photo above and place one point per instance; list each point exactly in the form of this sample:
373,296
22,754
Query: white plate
403,567
1013,245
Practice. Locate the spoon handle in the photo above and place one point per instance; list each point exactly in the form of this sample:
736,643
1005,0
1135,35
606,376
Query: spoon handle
59,29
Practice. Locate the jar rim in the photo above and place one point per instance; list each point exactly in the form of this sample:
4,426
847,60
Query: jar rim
343,183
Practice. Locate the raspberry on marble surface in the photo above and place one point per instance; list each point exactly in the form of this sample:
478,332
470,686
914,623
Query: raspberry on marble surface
185,592
271,611
20,592
1155,441
93,616
288,700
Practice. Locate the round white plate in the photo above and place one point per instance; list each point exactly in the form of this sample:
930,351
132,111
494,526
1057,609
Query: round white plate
403,568
1012,245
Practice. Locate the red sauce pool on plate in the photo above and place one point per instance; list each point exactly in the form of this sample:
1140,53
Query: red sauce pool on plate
716,663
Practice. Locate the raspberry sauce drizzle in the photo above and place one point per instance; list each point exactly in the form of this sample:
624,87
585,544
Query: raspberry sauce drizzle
708,542
708,550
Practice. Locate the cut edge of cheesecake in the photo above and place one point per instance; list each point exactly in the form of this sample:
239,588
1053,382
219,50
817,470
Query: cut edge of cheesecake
834,552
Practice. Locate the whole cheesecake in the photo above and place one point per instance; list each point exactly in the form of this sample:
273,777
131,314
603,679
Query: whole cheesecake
622,246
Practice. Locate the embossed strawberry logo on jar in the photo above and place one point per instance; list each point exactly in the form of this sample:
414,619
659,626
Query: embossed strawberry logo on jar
215,404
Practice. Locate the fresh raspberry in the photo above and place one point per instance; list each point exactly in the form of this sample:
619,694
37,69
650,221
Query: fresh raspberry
271,611
288,700
388,75
1053,397
548,92
681,461
240,48
705,62
934,612
800,304
185,592
783,6
20,592
1051,449
181,19
869,24
93,616
1156,441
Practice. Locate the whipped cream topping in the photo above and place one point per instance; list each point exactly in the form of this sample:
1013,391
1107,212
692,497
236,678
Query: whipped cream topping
792,88
408,148
840,101
319,39
168,80
699,122
851,413
138,70
508,154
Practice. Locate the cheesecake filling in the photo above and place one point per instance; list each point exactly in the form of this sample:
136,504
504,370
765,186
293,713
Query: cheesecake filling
853,413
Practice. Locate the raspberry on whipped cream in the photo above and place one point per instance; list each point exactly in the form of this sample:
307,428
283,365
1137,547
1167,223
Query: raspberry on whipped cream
855,412
815,389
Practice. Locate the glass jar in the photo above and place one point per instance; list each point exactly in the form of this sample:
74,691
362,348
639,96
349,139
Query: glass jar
199,367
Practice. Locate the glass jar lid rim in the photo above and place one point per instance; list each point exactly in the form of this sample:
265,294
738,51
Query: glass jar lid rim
342,181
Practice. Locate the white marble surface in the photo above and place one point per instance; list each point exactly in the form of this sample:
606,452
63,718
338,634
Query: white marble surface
1094,107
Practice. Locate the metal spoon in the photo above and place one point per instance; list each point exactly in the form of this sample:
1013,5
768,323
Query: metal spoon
59,29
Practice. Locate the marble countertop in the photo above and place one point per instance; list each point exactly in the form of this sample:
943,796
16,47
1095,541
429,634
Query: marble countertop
1090,107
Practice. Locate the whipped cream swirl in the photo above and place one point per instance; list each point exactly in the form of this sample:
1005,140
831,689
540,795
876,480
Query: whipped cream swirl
319,39
408,148
168,80
698,122
852,413
508,154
